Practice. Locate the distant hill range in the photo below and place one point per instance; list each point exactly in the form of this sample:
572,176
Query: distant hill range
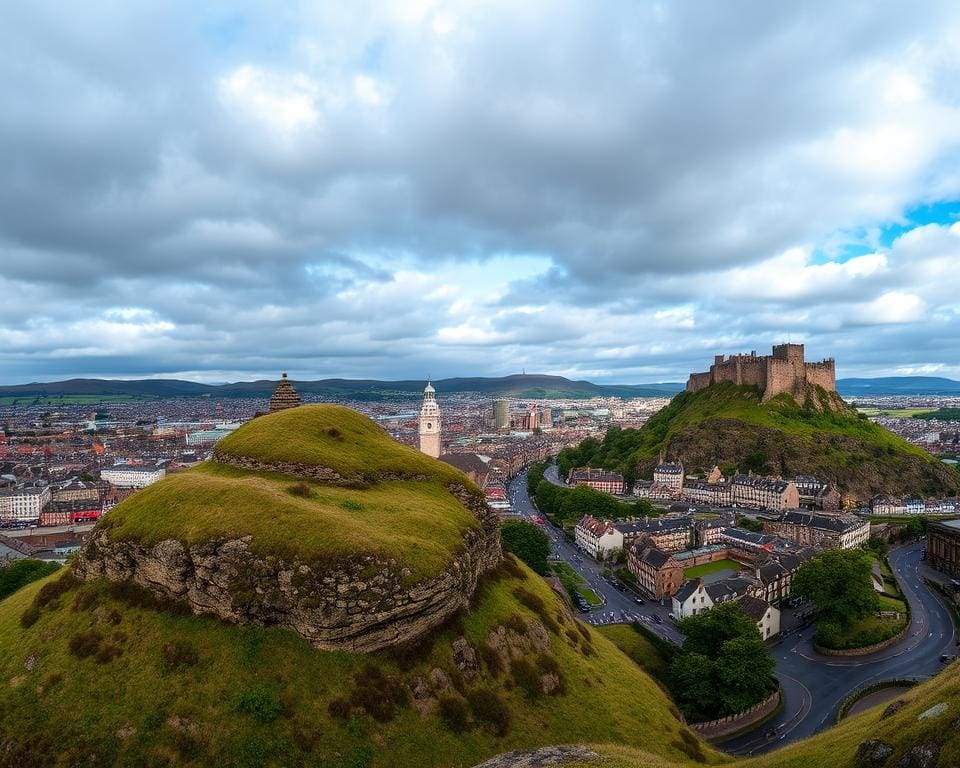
898,385
532,386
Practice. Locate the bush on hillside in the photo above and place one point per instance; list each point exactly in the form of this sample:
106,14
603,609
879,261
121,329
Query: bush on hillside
454,713
490,710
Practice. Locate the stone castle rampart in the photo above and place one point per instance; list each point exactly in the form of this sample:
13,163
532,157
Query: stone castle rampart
784,371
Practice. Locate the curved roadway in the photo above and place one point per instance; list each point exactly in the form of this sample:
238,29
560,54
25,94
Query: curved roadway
814,685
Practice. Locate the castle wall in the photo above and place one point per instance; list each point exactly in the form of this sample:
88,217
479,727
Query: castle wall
698,381
822,374
781,377
782,372
754,373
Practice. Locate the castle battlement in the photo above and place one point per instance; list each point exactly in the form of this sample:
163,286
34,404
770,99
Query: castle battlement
783,371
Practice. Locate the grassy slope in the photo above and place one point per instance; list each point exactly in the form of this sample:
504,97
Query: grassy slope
782,413
77,707
332,436
728,422
415,520
638,648
212,500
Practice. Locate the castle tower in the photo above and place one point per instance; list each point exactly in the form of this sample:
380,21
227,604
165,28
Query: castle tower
430,423
284,396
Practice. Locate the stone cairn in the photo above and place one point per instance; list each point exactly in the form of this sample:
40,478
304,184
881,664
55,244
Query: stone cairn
284,396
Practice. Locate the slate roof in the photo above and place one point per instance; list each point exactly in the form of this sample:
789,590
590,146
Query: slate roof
688,588
754,607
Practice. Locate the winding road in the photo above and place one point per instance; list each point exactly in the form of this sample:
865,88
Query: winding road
814,685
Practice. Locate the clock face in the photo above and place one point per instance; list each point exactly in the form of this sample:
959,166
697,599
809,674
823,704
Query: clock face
429,425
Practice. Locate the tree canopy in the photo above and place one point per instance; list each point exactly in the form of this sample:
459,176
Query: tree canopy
839,584
528,542
724,667
22,572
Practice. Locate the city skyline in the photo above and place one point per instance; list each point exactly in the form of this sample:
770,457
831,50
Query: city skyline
467,189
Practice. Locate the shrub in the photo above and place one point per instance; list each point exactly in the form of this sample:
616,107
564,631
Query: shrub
354,506
377,694
491,710
54,589
573,636
29,617
536,604
516,622
178,655
84,599
139,597
335,433
339,709
511,567
491,658
581,628
260,703
527,677
299,489
107,652
454,713
84,644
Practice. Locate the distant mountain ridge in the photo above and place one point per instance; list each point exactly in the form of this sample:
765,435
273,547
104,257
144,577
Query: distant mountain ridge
533,386
898,385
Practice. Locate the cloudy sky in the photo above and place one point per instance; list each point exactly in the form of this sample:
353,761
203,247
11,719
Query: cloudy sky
612,190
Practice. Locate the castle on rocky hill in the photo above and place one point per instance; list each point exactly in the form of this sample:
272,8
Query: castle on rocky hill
782,372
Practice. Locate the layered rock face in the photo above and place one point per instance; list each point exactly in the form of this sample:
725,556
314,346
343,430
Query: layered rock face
358,604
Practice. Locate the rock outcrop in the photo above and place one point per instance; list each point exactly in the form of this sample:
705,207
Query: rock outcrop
358,604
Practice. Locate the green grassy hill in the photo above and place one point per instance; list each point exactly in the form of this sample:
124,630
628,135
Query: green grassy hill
104,676
728,425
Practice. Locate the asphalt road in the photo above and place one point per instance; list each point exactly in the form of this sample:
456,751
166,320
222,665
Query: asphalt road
814,686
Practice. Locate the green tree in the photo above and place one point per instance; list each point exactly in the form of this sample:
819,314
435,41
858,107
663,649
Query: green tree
724,666
22,572
528,542
707,632
838,582
743,668
691,682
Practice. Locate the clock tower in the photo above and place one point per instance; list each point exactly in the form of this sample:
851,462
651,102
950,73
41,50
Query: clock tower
430,423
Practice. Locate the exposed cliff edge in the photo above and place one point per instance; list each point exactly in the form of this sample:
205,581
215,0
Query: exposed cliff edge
336,584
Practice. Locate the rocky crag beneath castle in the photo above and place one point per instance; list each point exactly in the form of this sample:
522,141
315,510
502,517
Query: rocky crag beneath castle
783,372
359,603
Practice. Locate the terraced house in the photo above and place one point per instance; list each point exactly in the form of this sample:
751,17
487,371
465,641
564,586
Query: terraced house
764,493
810,529
597,538
599,479
671,534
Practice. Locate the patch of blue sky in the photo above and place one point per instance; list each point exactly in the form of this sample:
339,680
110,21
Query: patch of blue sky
848,244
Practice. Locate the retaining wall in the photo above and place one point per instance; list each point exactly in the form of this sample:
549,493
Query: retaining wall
716,729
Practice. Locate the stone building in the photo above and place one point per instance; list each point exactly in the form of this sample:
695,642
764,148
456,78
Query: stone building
943,546
284,396
430,423
810,529
669,474
597,538
671,534
785,371
599,479
764,493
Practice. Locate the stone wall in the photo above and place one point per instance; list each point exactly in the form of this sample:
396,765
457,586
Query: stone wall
725,726
358,604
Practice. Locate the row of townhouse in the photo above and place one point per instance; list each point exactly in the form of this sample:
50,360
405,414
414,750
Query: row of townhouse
599,479
882,505
601,538
812,529
764,493
132,475
23,505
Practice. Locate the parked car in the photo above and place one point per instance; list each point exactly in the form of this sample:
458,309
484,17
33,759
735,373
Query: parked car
638,600
671,617
946,658
657,618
